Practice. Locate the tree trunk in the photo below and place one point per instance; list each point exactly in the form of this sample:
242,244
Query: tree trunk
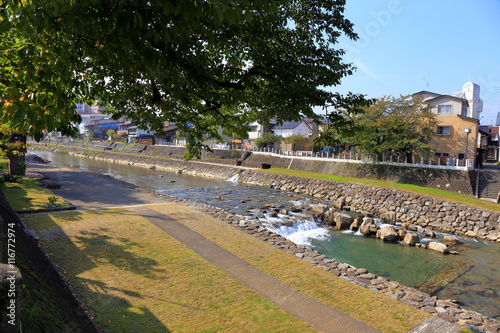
17,165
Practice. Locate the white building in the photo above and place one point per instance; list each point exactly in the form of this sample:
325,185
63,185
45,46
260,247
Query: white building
289,128
256,130
472,93
89,114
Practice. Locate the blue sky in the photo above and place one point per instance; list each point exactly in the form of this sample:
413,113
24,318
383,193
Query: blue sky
406,46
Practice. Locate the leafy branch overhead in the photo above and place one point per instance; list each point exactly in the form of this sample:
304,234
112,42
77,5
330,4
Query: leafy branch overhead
200,64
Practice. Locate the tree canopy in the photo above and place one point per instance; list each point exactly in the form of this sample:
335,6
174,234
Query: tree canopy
201,64
402,124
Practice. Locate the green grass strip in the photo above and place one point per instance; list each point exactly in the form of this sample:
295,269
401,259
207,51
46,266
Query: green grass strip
375,309
135,278
28,194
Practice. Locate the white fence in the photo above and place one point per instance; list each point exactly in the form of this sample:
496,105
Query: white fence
441,163
448,163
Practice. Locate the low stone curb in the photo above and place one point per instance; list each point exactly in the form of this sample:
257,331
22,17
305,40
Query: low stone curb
45,210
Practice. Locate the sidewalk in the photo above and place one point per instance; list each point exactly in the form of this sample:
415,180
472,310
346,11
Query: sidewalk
90,191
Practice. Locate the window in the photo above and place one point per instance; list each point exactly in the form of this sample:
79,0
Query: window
445,109
443,130
442,154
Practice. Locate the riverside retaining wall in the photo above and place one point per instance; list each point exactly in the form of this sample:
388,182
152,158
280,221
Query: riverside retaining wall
428,212
450,180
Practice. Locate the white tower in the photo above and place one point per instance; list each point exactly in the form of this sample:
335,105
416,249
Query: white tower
471,92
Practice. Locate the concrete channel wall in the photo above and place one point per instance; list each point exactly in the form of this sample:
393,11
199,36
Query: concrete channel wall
428,212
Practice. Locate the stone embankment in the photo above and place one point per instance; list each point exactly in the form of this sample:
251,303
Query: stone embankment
409,208
415,209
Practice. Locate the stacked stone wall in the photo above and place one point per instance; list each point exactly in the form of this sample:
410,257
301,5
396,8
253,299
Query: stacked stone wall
450,180
427,212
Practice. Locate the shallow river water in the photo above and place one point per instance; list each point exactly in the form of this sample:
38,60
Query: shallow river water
472,277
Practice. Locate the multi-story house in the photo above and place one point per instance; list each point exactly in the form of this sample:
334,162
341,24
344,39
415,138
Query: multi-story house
458,116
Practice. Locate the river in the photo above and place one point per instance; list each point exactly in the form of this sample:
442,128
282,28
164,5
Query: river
472,277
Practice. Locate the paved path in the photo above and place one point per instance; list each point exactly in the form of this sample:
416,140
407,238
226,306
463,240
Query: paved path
86,190
90,191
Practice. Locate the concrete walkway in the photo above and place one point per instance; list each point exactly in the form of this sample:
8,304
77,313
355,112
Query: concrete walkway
86,190
91,191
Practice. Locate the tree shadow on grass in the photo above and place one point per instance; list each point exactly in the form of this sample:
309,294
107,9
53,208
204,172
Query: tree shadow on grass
103,249
78,251
113,313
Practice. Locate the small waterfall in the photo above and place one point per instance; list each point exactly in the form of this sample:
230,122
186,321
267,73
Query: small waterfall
301,232
233,178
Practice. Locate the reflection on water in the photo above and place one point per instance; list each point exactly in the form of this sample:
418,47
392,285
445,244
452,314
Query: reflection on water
472,277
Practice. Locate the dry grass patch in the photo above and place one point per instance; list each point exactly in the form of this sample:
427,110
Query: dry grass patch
135,278
375,309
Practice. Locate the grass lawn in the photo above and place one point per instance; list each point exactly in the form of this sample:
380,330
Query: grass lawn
135,278
435,193
375,309
26,193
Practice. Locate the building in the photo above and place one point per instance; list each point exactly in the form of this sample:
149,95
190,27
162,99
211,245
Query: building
458,114
289,128
489,143
256,129
90,114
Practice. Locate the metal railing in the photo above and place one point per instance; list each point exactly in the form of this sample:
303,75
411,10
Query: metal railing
437,162
441,163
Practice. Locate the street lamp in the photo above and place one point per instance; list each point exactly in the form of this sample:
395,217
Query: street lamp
467,131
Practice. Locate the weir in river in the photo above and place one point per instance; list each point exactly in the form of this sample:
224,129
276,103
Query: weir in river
472,277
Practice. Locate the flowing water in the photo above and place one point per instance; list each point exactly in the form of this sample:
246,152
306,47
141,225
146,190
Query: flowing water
472,277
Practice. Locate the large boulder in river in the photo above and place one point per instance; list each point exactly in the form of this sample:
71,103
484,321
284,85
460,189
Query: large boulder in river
438,246
368,227
389,218
356,223
339,203
387,234
319,208
411,239
338,220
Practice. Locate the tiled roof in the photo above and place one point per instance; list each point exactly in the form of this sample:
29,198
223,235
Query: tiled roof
287,125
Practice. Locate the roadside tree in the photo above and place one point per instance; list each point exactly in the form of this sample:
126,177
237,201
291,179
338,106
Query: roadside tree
401,125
